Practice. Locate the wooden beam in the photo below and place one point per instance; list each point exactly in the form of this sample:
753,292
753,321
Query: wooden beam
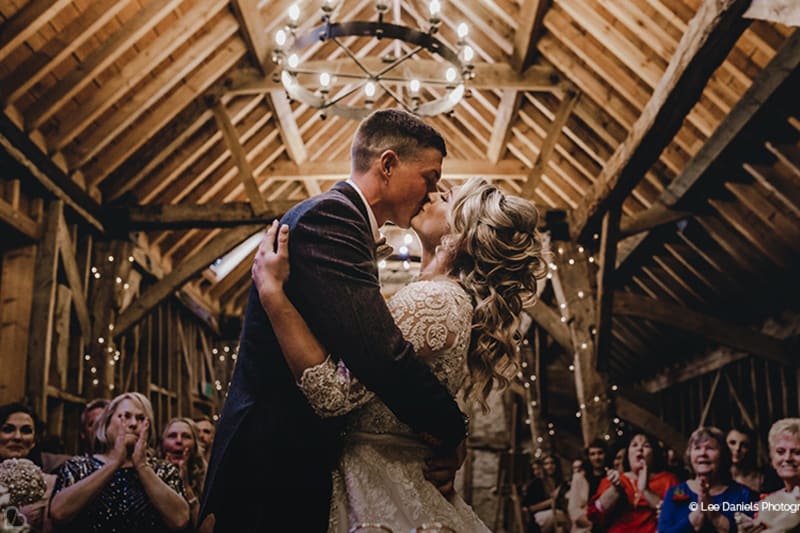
451,169
29,156
252,22
239,156
549,144
692,369
24,225
183,216
550,320
638,416
656,215
711,34
153,295
98,60
73,273
16,288
714,329
605,284
287,125
529,27
487,75
501,129
42,310
26,22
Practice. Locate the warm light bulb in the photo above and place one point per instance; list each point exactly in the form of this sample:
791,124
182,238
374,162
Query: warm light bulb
451,74
462,30
468,53
293,61
414,86
294,13
325,79
280,37
407,238
435,7
369,89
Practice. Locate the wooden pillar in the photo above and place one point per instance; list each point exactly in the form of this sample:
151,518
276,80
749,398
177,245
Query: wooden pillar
576,298
605,285
16,292
42,310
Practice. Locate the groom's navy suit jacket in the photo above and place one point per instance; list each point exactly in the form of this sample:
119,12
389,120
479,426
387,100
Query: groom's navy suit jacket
272,456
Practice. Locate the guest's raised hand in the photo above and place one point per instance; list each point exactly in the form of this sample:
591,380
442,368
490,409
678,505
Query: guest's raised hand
119,453
612,474
271,263
139,455
643,475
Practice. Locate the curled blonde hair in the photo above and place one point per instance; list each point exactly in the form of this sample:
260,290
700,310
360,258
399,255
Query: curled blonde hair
196,465
496,254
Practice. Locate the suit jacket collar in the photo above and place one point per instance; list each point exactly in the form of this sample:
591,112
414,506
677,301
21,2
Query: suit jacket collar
351,191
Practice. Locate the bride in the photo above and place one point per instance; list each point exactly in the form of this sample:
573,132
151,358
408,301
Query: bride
481,258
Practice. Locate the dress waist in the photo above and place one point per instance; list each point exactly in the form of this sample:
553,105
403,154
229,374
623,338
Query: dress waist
386,439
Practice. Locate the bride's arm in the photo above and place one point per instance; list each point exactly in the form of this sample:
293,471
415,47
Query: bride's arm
329,387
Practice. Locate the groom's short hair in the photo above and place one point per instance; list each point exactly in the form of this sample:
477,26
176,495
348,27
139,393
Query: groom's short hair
392,129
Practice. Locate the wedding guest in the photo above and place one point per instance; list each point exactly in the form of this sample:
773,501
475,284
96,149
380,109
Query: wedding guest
585,483
205,432
619,459
628,502
541,497
120,487
778,510
180,445
89,417
697,504
744,469
19,430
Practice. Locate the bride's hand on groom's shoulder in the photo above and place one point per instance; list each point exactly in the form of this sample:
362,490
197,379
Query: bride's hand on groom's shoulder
271,263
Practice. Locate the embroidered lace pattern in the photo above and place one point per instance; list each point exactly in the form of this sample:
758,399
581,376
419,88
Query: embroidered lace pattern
383,482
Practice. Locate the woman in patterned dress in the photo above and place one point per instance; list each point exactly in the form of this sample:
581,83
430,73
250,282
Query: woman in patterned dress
481,257
121,488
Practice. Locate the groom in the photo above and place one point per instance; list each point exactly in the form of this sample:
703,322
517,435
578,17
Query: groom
272,454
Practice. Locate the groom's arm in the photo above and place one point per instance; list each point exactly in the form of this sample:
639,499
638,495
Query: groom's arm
334,284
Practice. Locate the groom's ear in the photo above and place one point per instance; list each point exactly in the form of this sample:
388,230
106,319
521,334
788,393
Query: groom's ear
388,159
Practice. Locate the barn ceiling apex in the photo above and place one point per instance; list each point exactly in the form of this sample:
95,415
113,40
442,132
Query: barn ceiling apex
167,120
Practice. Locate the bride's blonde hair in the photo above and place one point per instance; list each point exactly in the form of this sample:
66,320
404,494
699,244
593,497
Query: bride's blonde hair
495,252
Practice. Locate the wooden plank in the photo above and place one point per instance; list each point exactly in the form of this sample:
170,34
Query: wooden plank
239,156
550,320
19,146
252,22
97,61
549,144
656,215
501,129
19,222
635,414
529,28
196,84
695,368
66,41
156,293
711,34
487,75
605,284
67,252
111,93
16,291
42,310
711,328
26,22
61,327
182,216
287,125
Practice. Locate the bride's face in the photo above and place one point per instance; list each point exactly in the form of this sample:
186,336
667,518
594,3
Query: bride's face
430,223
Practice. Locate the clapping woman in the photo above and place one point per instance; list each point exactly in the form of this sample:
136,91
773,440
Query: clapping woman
180,446
121,487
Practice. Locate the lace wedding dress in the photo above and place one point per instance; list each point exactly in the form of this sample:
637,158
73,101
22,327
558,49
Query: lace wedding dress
380,475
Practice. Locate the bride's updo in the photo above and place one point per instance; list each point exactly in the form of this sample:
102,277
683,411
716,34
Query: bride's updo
496,254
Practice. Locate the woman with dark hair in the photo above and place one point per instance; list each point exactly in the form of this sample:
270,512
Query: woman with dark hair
20,430
541,497
708,501
629,502
744,469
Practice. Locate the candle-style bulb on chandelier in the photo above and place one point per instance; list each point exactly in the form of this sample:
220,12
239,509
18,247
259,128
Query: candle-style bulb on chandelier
422,73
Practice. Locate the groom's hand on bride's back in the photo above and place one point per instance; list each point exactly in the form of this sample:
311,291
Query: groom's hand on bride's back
441,467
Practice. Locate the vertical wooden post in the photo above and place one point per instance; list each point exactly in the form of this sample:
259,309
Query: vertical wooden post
605,286
42,310
16,291
572,285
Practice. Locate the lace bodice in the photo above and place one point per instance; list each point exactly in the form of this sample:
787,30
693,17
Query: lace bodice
435,317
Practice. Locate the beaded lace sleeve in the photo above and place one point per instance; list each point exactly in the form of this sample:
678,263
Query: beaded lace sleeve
434,317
